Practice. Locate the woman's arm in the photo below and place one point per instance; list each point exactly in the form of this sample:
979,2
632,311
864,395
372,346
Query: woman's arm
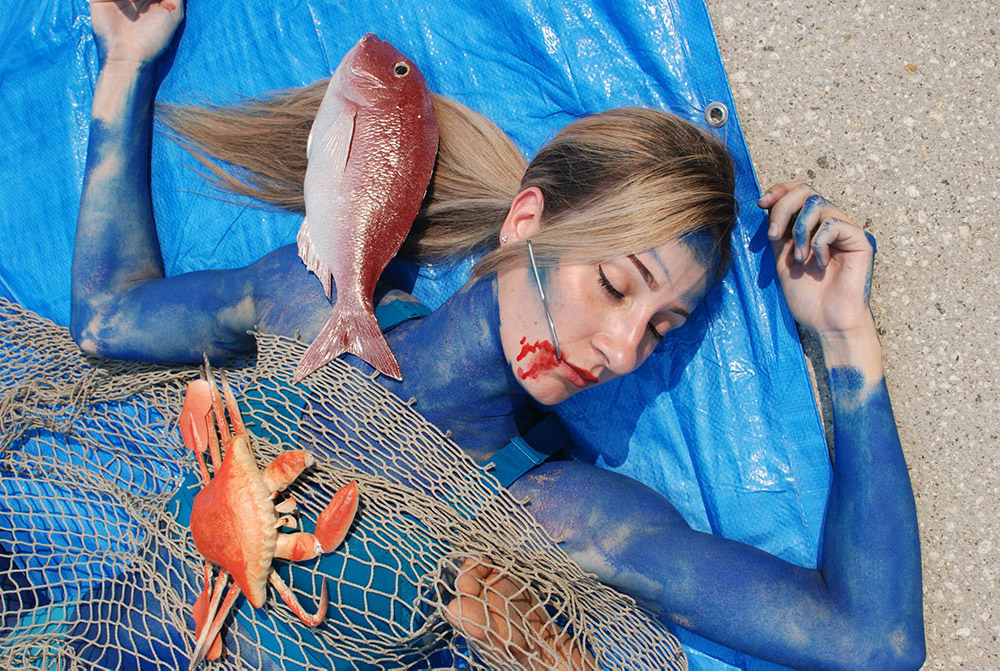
862,607
122,307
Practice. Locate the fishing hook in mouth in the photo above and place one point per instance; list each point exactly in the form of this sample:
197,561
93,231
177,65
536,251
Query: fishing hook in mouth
545,303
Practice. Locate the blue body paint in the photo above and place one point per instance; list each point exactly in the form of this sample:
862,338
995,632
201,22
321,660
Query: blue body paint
116,310
861,609
703,246
800,230
453,365
871,267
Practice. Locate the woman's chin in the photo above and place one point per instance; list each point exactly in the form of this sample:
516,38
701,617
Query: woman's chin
548,390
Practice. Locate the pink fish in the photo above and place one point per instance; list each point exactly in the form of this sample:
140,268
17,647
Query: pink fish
371,151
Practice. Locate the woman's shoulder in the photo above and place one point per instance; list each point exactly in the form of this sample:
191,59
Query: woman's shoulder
290,298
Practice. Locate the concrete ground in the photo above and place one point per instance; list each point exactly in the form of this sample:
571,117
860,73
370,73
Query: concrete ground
892,110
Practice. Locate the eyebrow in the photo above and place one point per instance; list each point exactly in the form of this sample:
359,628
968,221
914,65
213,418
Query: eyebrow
644,271
653,284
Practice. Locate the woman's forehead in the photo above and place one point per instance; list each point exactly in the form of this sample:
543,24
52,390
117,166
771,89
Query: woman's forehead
685,254
677,270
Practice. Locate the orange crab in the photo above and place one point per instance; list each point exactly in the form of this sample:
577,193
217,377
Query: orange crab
235,522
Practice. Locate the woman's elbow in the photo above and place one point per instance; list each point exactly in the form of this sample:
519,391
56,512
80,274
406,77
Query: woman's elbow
900,649
94,336
81,332
905,652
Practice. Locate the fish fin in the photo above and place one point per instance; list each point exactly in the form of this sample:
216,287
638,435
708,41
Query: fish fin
349,329
307,252
340,143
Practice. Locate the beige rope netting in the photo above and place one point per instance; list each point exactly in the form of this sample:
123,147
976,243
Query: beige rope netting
98,570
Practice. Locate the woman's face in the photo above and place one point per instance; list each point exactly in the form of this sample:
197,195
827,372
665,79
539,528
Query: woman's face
608,317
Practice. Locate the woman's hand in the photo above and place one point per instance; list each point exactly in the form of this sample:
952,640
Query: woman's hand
824,261
510,626
134,31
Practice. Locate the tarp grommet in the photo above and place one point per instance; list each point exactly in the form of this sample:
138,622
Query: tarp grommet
716,115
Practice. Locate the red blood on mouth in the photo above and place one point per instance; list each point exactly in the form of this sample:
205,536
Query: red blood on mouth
545,358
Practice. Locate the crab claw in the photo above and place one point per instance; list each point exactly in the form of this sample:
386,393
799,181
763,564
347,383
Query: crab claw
335,521
195,423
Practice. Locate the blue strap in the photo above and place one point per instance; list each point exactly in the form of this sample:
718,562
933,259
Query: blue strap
525,452
395,312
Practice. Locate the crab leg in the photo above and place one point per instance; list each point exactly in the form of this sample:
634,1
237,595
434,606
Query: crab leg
289,598
200,612
286,467
286,506
286,522
298,546
193,441
217,614
239,428
220,419
207,603
335,521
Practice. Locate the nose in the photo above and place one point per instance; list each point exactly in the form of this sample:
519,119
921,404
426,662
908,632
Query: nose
621,345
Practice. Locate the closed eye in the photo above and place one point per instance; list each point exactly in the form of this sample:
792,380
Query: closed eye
616,295
608,289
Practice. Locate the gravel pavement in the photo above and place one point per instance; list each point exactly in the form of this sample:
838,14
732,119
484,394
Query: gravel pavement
893,112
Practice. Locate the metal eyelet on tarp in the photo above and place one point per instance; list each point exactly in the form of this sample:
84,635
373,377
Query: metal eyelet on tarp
716,115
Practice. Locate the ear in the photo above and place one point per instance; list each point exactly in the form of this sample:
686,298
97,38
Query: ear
525,215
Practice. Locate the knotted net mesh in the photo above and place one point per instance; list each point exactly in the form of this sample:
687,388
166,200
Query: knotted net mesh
98,569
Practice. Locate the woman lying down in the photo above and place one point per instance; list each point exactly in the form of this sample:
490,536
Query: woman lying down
623,222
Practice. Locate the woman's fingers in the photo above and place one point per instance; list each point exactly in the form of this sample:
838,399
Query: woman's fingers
783,201
805,223
838,234
776,193
798,214
470,577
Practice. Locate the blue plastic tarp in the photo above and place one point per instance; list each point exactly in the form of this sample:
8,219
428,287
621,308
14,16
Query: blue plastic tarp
722,422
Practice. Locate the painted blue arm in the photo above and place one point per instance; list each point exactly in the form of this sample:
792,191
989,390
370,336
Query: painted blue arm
122,306
861,609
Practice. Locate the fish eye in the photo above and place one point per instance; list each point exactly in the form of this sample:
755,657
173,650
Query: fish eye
401,69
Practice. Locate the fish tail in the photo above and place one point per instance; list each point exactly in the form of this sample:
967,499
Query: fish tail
349,329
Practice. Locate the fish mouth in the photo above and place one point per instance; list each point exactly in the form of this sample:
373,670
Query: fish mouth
368,76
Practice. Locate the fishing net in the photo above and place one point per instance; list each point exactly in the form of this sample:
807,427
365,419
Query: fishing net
98,569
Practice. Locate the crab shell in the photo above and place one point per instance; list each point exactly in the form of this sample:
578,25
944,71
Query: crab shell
233,522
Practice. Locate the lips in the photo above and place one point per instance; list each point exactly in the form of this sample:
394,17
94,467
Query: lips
543,358
579,377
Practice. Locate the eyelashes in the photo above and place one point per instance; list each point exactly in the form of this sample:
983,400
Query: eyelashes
616,295
608,289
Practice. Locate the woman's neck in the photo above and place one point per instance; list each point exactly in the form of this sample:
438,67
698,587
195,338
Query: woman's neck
453,364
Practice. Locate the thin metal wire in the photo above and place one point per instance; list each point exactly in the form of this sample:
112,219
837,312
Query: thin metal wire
545,303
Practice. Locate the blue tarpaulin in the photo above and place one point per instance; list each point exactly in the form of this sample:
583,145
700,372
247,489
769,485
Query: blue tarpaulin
722,421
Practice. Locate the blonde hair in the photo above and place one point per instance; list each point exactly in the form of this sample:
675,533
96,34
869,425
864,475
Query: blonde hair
614,183
624,181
